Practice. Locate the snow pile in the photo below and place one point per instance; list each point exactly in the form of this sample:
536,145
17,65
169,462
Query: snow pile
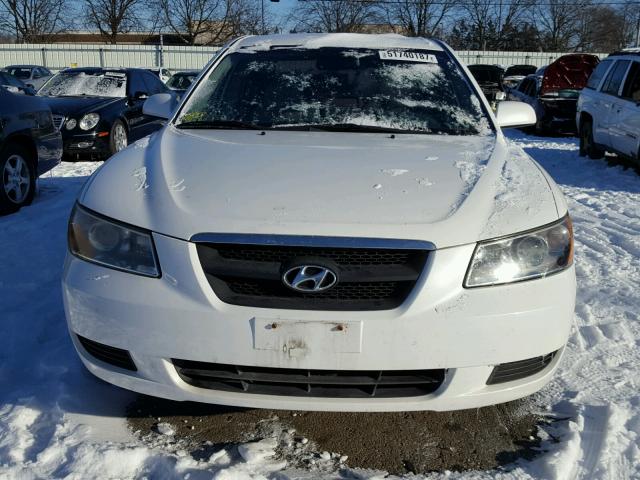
57,421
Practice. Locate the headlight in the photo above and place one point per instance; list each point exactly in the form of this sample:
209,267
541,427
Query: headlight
524,256
111,244
71,124
89,121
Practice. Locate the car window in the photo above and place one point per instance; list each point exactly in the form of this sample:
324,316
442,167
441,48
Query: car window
46,72
137,84
37,73
154,84
615,77
339,88
598,74
21,73
631,89
523,85
531,88
10,80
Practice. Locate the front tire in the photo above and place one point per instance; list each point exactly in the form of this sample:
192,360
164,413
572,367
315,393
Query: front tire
119,138
18,178
588,147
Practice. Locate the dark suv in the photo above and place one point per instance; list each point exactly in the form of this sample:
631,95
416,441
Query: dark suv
29,146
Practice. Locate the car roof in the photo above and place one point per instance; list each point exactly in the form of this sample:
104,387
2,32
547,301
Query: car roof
24,66
344,40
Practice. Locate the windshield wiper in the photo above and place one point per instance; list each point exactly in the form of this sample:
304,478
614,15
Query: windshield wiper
219,124
346,127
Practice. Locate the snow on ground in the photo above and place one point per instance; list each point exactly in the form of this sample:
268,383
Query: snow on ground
57,421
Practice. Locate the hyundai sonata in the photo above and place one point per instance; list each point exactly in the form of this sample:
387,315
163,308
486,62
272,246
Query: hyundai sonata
327,222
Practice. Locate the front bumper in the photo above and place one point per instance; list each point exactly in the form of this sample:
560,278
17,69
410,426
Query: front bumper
83,145
441,325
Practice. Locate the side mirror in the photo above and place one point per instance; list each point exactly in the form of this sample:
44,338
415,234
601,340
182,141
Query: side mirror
159,105
511,114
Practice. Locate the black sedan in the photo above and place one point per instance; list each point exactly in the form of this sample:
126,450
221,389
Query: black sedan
29,146
99,111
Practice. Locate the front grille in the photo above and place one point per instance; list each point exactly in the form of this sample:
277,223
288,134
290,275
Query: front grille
507,372
368,278
310,383
58,120
105,353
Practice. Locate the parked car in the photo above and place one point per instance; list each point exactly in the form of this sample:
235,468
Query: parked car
608,113
32,75
14,85
29,147
322,226
515,74
164,74
181,81
99,111
553,91
489,77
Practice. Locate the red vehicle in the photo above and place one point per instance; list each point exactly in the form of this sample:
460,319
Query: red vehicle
553,91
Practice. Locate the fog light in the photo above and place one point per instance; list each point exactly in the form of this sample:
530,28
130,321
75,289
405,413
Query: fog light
84,144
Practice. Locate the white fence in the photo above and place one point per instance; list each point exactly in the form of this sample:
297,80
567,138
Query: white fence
60,55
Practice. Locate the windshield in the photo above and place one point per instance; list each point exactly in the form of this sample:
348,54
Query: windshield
93,84
338,89
181,81
21,73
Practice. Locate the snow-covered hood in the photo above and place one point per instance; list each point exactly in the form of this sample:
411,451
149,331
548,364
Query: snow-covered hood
444,189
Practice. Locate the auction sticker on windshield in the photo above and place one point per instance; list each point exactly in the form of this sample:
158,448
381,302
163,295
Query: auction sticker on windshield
407,56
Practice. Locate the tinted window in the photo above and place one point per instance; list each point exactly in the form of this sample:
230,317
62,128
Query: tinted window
615,77
137,84
21,73
154,84
631,90
339,88
598,73
524,85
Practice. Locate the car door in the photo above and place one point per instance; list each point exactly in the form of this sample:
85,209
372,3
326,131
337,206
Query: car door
607,127
137,93
625,116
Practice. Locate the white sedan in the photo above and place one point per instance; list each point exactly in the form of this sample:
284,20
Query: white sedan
327,222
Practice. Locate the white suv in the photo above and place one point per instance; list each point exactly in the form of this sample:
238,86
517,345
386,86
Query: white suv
608,113
328,222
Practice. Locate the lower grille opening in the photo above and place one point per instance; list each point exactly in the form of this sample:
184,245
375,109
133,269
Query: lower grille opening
107,354
310,383
508,372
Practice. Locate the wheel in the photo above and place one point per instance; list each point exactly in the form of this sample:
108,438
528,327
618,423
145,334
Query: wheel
18,178
587,145
119,139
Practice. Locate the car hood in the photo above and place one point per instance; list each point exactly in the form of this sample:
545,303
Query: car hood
77,105
444,189
569,72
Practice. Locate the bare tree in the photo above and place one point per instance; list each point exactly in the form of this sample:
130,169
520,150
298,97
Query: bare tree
490,19
419,18
560,23
335,15
33,20
196,21
112,17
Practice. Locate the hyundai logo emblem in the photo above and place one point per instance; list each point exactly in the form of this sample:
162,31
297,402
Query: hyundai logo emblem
309,278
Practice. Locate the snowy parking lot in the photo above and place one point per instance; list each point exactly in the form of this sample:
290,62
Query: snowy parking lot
58,421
